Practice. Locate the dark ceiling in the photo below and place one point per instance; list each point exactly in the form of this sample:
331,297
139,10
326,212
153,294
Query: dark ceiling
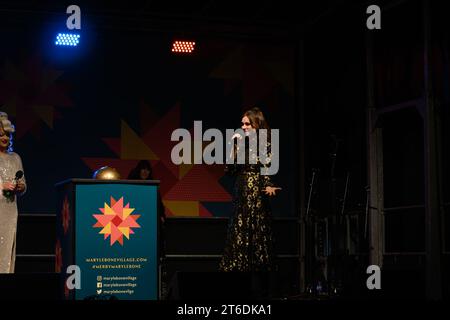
248,10
278,14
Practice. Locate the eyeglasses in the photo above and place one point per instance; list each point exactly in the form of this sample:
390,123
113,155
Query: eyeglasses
246,123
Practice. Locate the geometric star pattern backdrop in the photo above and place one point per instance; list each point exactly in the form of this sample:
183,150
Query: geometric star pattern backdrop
117,98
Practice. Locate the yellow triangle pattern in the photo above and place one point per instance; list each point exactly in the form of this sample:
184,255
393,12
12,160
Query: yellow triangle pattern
126,212
132,146
125,231
106,229
183,208
109,210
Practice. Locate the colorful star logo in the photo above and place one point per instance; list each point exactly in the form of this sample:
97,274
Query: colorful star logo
116,221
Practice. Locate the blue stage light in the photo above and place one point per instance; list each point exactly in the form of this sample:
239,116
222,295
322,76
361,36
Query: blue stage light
65,39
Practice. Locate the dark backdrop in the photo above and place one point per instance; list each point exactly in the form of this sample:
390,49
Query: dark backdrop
117,97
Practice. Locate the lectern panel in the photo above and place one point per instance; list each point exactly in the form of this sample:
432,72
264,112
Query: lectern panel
114,241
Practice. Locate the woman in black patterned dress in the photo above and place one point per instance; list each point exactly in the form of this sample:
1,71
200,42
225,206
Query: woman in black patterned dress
249,241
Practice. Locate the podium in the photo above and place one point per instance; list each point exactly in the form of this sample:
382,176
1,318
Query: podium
107,239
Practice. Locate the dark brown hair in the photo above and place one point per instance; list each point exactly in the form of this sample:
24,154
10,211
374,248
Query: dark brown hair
135,173
256,118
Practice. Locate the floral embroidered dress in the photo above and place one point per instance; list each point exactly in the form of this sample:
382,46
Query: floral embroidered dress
249,241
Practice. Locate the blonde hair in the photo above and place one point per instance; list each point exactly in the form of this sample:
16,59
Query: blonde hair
7,127
5,123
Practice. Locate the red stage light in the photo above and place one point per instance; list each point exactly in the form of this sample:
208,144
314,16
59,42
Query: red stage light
183,46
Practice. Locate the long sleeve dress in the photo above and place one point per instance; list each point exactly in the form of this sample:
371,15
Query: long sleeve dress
10,163
249,240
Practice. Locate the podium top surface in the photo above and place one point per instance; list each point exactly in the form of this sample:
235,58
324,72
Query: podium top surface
99,181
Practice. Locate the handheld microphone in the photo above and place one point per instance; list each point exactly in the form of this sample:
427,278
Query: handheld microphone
19,175
10,194
238,134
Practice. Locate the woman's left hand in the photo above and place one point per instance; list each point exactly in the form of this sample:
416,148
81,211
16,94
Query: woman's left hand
271,190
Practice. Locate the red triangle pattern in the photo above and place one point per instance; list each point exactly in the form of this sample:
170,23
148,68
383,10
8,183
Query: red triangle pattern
168,180
30,91
203,212
113,144
158,138
198,185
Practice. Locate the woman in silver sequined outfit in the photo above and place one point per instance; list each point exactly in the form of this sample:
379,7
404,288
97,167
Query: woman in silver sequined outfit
10,187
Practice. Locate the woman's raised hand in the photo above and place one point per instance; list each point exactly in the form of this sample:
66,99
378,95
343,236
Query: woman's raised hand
271,190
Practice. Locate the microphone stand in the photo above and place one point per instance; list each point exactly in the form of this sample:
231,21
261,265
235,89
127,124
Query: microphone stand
333,272
310,236
345,194
343,225
367,212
